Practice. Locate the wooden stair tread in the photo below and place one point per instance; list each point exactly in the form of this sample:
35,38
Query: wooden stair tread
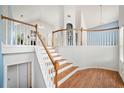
64,65
60,60
51,48
57,56
66,72
53,52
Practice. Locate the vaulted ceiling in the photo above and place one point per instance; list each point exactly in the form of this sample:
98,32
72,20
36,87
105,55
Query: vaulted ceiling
47,14
95,15
53,14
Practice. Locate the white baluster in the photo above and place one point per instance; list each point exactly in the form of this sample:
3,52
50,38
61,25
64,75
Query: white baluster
16,33
93,38
99,38
105,39
97,41
99,33
24,35
89,38
20,32
28,35
30,28
26,32
6,31
11,31
116,42
117,38
110,38
113,38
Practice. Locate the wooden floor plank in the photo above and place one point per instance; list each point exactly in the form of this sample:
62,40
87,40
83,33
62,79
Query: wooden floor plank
94,78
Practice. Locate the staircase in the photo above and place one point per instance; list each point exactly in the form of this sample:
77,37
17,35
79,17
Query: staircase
65,68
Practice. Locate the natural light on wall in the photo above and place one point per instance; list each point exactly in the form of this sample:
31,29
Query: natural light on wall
121,43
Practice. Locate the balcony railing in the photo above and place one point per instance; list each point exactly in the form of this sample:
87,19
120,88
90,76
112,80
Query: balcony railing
85,37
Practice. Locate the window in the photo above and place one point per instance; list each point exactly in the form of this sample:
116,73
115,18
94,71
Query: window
69,34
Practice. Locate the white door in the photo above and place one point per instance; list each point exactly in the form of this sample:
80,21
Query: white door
23,75
19,76
12,76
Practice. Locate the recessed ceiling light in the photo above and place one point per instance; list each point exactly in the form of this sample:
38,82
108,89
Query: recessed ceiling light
68,15
21,15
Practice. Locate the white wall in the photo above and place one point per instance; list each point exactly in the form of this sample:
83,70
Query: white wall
121,15
69,10
92,56
38,76
121,23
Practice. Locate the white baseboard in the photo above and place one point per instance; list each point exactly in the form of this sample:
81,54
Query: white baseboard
112,69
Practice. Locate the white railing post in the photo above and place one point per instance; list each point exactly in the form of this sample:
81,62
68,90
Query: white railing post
16,29
11,32
6,31
113,38
20,32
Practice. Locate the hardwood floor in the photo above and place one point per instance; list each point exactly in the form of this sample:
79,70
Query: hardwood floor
94,78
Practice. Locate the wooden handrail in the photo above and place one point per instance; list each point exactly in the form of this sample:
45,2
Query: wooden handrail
14,20
61,30
90,30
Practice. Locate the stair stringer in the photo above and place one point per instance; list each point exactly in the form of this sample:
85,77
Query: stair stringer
39,54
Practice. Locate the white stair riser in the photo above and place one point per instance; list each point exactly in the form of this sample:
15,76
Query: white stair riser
63,62
44,51
40,47
67,77
54,54
52,50
57,58
65,68
50,47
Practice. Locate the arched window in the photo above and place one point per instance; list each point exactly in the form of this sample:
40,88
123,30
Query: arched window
69,34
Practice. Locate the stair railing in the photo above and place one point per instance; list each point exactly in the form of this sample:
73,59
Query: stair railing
20,36
55,63
85,37
18,32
